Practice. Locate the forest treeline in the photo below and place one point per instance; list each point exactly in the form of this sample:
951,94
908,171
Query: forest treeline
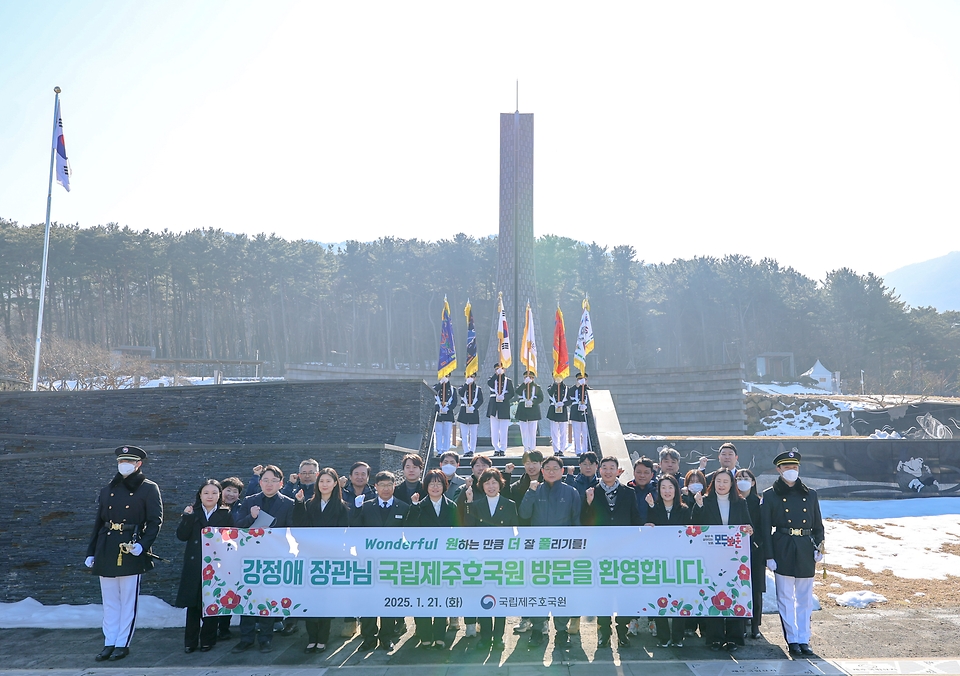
208,294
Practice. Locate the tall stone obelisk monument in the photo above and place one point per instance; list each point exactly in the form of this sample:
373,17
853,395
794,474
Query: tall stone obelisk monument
516,275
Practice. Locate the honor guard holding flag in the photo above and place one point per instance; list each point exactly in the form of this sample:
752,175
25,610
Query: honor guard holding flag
579,407
129,515
471,397
446,410
529,398
792,534
498,408
558,415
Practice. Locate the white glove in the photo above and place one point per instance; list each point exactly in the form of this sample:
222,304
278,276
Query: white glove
137,549
88,562
359,501
772,565
817,556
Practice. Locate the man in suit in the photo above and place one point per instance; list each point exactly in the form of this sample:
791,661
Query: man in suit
498,408
129,511
579,411
728,459
610,503
471,398
271,505
558,415
383,511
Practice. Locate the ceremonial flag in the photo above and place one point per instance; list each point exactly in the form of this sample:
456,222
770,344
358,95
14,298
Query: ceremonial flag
471,368
63,164
561,360
503,335
528,348
448,352
584,339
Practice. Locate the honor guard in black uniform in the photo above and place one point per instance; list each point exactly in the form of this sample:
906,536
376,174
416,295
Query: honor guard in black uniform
579,407
471,398
498,408
529,398
558,415
446,410
129,515
792,531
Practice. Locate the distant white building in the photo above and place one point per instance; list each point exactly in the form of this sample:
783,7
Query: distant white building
825,379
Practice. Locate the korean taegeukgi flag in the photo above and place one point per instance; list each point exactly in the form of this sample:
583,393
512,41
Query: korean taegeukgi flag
503,335
471,367
561,360
528,348
63,164
448,353
584,339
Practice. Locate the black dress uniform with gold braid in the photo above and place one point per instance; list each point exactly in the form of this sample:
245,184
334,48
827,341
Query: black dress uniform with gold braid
129,516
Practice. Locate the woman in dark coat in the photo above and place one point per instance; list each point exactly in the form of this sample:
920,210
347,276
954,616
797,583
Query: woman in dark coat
758,567
435,510
669,510
207,510
491,509
722,505
324,509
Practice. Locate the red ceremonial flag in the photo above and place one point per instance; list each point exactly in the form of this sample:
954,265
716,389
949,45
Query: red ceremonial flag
561,361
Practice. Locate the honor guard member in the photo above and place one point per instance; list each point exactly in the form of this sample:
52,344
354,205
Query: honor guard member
529,398
558,415
792,532
579,406
129,515
471,398
446,410
498,408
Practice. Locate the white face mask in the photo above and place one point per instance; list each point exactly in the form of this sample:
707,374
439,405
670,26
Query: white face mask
744,485
449,470
444,380
499,372
126,468
528,380
791,475
695,488
469,381
581,382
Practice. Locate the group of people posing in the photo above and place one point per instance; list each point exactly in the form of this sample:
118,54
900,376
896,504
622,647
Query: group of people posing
785,525
567,406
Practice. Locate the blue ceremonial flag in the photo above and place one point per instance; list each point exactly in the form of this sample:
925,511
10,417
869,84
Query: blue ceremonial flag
448,353
472,366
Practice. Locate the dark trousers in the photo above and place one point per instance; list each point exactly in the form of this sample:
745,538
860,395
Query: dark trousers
431,628
318,629
605,622
223,623
199,629
559,624
389,627
723,629
491,628
670,627
757,611
248,628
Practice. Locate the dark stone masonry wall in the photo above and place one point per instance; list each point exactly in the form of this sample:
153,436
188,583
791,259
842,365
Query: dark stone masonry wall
56,449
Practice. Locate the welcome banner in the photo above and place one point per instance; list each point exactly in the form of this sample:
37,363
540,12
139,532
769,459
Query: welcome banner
698,571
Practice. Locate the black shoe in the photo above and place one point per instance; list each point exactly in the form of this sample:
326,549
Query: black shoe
206,648
716,645
224,634
794,649
663,643
603,640
386,644
730,646
119,654
368,644
289,631
189,648
562,640
266,647
757,635
311,648
320,648
104,654
536,638
623,640
242,647
678,643
559,454
806,649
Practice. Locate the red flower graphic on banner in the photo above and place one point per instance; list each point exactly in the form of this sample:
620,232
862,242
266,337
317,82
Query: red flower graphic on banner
229,533
213,609
739,610
675,604
273,603
256,532
693,531
743,529
684,612
230,600
721,601
662,601
264,611
208,573
743,572
285,602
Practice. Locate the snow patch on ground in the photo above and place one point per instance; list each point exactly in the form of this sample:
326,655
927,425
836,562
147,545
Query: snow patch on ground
152,613
790,423
859,599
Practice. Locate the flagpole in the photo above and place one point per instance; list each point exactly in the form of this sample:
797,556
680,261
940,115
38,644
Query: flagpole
46,245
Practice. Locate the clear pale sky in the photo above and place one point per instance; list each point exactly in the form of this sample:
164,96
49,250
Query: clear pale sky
823,134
